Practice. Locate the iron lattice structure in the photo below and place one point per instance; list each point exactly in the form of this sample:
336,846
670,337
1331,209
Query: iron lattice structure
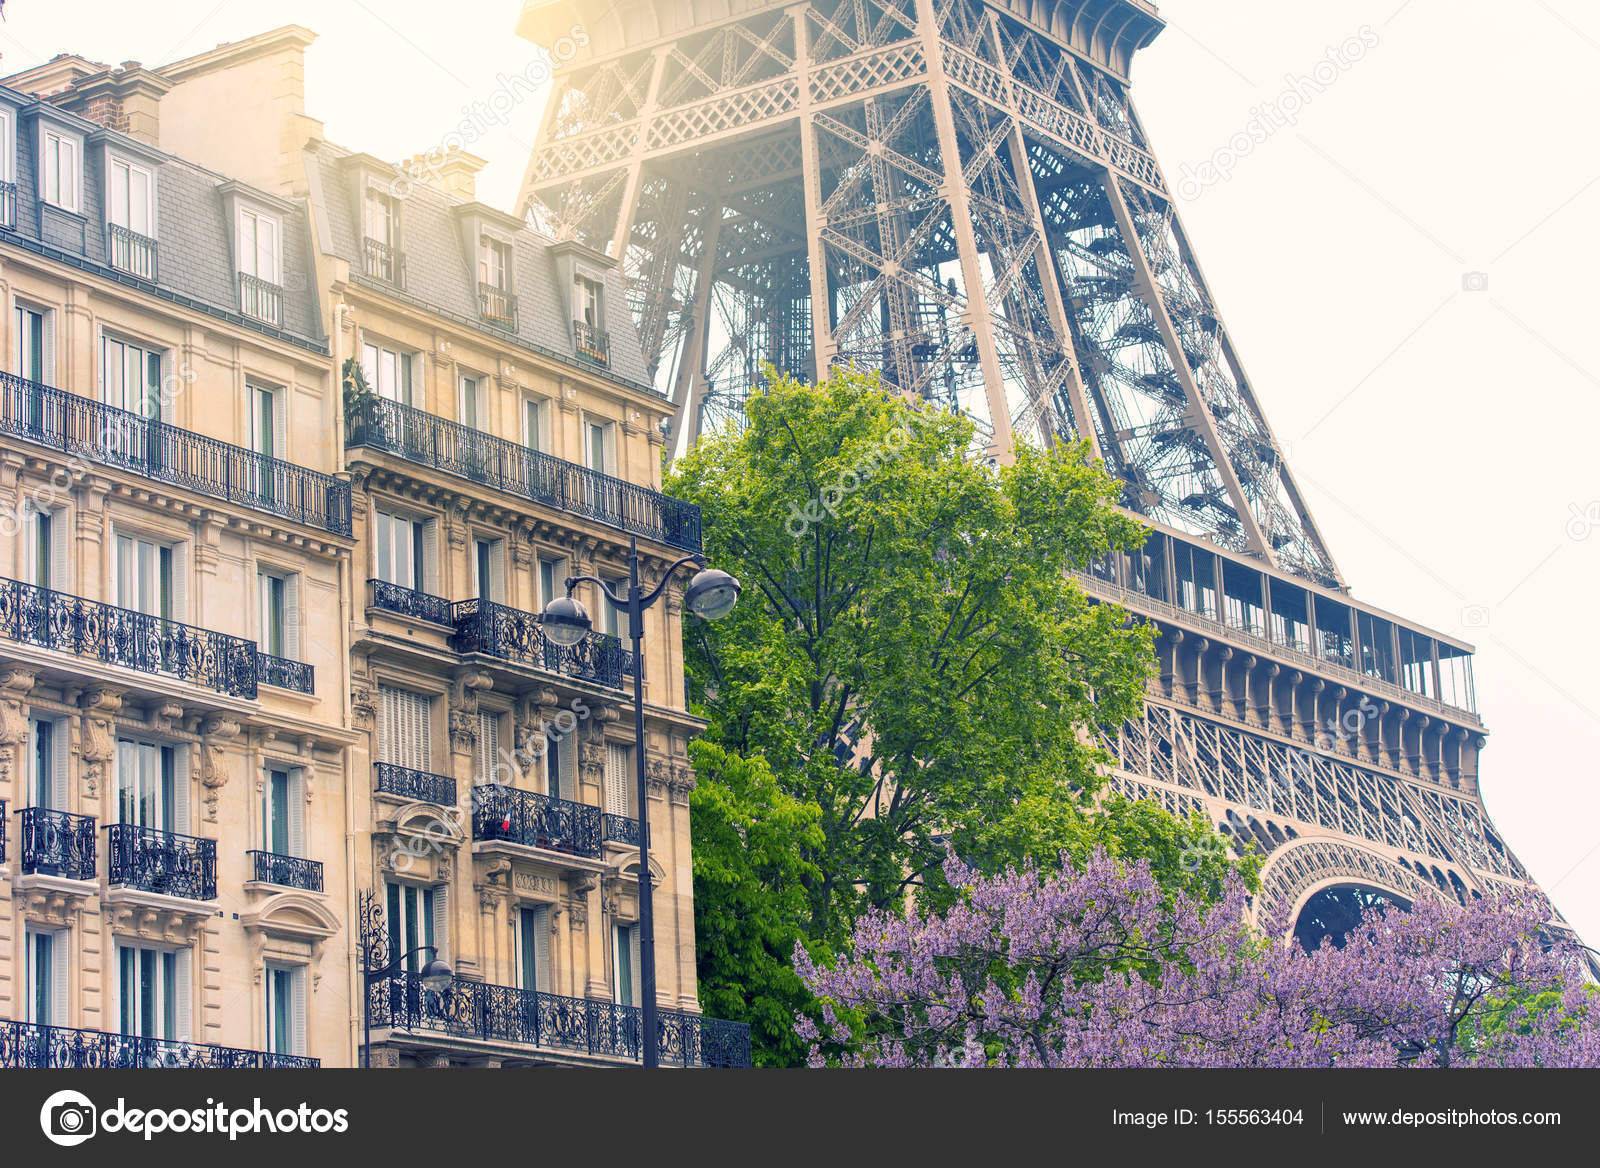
961,195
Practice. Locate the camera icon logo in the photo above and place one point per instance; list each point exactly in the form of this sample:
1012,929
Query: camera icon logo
68,1118
1475,282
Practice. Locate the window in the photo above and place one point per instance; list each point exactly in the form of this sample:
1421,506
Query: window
599,446
280,614
153,992
613,621
472,408
388,372
417,917
268,425
35,345
494,263
489,569
257,252
7,150
560,766
48,963
59,160
283,807
407,551
619,769
47,765
491,769
148,579
533,946
552,580
378,217
152,786
626,966
587,301
130,377
405,729
131,218
286,1009
535,423
47,533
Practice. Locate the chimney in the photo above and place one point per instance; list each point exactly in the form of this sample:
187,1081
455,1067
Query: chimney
455,170
125,99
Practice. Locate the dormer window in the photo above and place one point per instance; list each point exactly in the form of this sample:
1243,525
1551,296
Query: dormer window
589,334
496,301
60,169
258,254
8,170
381,255
131,218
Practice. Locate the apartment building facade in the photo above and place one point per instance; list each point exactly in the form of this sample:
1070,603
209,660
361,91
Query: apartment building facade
174,547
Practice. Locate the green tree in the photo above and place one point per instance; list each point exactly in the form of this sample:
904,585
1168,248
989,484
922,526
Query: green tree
912,661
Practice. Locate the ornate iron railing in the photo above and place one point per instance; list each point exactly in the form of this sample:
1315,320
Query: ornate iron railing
260,299
283,673
56,843
100,433
418,785
288,871
536,821
8,205
497,306
513,635
496,1013
507,466
28,1045
128,251
410,602
620,829
591,342
382,262
161,861
133,640
2,831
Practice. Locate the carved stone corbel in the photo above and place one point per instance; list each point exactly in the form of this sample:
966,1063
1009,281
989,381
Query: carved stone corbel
464,707
215,734
15,686
99,743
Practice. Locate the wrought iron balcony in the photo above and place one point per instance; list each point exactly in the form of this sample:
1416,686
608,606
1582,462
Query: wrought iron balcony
494,1013
620,829
507,815
513,635
410,602
591,342
133,640
497,306
55,843
507,466
282,673
382,262
260,299
287,871
418,785
100,433
28,1045
8,206
162,861
128,251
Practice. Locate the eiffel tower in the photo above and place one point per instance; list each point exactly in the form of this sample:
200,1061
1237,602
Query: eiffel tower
961,195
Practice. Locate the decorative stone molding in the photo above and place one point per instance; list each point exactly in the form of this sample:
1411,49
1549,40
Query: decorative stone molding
216,733
363,707
464,707
99,744
15,686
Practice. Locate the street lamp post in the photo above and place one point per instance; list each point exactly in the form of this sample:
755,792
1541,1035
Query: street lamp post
436,976
712,595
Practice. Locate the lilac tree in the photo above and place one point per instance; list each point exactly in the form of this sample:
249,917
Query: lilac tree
1103,967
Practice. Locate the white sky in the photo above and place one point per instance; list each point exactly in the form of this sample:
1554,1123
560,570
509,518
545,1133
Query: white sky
1443,435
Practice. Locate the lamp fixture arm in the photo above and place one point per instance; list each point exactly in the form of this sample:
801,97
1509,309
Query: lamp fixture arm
621,602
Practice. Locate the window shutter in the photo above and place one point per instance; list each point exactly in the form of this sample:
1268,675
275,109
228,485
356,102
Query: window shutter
280,425
181,783
291,616
184,1023
633,964
430,558
60,976
489,749
297,812
616,792
568,756
441,923
541,949
298,988
180,584
127,781
49,347
497,570
60,757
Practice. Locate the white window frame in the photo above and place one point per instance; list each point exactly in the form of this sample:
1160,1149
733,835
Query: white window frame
537,918
555,586
496,546
47,340
8,145
52,788
373,197
430,904
58,976
294,794
256,216
296,1038
472,401
387,526
608,444
497,256
137,753
589,293
405,728
625,947
177,599
152,394
53,138
273,444
404,389
619,784
288,596
147,228
178,1028
536,424
55,573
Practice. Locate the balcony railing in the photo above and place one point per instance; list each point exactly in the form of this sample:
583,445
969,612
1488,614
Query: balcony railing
260,299
28,1045
620,829
510,467
591,342
133,640
100,433
2,831
8,206
130,252
513,635
494,1013
409,602
418,785
497,306
287,871
504,814
162,861
382,262
283,673
54,843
